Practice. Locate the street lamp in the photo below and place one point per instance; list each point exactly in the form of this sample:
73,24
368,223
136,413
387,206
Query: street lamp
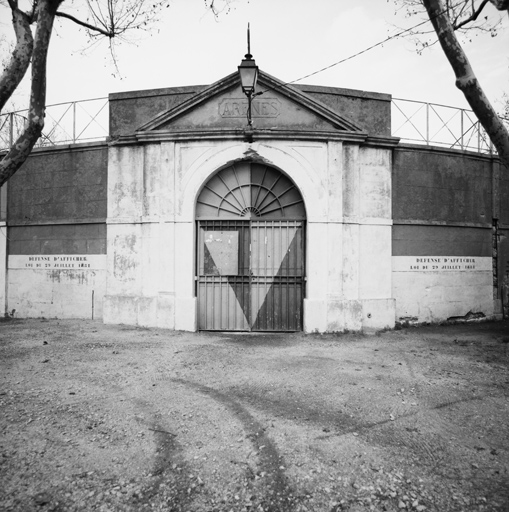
248,71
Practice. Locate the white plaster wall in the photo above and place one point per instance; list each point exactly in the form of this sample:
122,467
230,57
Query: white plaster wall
56,293
123,300
427,296
125,183
375,181
375,264
365,297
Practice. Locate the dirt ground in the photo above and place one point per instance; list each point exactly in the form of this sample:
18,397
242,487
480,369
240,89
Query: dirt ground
117,418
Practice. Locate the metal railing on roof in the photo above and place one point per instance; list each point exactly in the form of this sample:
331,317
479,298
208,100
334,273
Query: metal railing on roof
412,121
438,125
65,123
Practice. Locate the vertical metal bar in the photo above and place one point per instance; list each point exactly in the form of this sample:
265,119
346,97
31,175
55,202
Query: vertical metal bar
205,289
254,256
295,303
257,280
205,305
74,122
220,278
282,273
295,280
462,128
290,286
198,275
272,283
232,317
221,320
248,287
202,299
212,301
287,289
427,124
236,304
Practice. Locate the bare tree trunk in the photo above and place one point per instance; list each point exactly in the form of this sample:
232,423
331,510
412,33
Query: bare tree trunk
20,60
466,80
20,150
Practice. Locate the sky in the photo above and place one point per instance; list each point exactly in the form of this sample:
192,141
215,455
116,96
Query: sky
289,40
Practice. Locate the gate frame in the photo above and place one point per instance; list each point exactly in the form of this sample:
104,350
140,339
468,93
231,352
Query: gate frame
248,221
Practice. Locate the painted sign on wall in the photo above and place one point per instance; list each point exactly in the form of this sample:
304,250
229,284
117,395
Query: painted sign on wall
58,261
441,263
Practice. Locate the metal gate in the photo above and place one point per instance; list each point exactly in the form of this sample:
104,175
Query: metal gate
250,257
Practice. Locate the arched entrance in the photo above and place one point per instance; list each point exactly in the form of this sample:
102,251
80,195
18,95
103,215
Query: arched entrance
250,250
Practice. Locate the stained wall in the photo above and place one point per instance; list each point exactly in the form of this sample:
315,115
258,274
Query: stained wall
56,233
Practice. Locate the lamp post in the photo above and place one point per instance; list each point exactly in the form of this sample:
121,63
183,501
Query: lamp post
248,71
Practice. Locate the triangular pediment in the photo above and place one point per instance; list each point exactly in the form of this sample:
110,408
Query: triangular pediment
223,106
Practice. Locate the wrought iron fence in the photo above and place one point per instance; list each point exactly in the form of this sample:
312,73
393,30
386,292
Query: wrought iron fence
65,123
413,121
438,125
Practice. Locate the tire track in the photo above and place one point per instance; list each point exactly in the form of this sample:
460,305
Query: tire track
278,494
169,483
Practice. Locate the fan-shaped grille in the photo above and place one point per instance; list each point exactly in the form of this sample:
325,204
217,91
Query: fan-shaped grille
250,190
250,210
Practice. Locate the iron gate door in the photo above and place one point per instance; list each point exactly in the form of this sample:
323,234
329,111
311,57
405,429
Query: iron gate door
277,273
250,251
251,275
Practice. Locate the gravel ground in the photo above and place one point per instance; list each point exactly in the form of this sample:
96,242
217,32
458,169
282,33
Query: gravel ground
117,418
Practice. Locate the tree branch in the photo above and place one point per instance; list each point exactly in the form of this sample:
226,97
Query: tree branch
473,17
13,160
466,80
87,25
20,59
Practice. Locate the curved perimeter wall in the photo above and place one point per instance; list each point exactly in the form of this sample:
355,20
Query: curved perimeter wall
449,233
